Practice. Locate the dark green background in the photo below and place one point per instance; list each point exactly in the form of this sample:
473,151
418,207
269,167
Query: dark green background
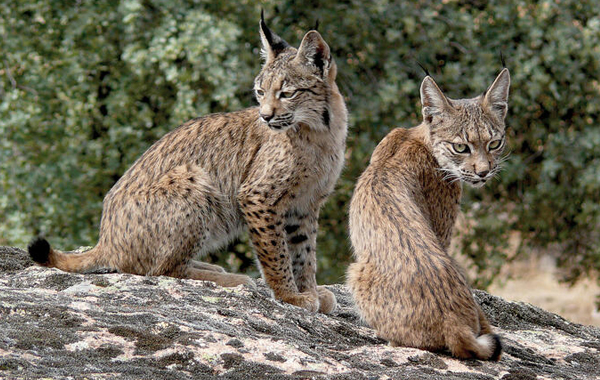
86,87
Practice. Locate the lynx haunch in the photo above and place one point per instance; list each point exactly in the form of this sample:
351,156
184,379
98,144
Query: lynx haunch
402,213
268,168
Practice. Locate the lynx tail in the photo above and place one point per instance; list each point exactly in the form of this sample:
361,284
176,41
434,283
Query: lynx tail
41,252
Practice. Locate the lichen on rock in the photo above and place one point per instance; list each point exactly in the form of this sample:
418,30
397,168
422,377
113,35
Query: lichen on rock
99,326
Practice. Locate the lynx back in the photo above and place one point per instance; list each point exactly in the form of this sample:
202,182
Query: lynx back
402,214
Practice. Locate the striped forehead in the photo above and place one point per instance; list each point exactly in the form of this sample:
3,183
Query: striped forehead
274,75
273,81
473,124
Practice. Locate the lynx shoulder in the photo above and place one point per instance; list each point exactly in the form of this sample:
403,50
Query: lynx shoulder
402,213
267,169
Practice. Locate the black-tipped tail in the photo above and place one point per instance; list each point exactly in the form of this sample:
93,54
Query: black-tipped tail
39,250
497,348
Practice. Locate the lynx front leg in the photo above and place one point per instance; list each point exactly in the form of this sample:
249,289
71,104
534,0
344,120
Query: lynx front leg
266,226
206,266
301,236
222,279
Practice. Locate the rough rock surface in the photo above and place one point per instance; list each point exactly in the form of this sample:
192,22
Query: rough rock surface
60,325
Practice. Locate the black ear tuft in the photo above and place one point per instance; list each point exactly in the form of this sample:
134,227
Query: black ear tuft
39,250
423,68
272,43
316,25
265,29
502,60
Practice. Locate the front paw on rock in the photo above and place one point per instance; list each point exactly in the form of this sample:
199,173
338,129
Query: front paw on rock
327,301
308,301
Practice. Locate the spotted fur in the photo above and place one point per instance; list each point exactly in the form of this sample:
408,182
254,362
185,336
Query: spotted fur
202,184
402,213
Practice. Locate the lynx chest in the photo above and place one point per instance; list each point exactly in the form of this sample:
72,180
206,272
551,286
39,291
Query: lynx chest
320,159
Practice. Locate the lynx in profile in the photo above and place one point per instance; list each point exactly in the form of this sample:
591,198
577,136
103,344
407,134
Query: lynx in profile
404,283
267,168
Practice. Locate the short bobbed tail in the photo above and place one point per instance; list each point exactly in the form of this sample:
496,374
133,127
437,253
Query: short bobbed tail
466,346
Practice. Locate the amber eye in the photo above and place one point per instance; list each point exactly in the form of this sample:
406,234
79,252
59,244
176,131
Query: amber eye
260,92
495,144
460,148
286,94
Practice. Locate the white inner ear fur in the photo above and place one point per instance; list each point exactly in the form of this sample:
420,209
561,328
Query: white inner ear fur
433,99
496,96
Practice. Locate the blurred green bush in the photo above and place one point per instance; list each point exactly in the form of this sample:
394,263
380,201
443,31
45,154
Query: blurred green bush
86,87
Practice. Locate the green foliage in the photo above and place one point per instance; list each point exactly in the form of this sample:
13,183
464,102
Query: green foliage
85,88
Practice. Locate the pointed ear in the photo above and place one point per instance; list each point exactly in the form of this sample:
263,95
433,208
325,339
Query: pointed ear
433,100
496,97
314,51
272,44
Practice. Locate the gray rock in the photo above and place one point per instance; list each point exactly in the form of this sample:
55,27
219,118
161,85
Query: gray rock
61,325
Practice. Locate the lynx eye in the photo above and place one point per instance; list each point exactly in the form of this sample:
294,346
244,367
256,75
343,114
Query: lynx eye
286,94
461,148
494,144
260,92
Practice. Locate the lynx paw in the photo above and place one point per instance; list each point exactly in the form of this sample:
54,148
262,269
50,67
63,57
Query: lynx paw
308,301
240,279
327,301
221,279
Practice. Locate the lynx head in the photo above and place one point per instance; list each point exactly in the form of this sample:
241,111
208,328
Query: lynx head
467,135
294,84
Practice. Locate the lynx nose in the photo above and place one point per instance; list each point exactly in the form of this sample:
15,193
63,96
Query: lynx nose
483,173
266,117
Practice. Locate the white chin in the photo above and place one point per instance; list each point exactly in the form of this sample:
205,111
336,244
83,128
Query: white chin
476,184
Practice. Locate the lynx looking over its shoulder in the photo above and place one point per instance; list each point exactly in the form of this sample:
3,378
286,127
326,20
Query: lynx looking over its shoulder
269,168
402,213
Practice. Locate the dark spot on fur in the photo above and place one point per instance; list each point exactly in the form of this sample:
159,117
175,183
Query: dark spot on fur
298,239
325,117
280,198
291,228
